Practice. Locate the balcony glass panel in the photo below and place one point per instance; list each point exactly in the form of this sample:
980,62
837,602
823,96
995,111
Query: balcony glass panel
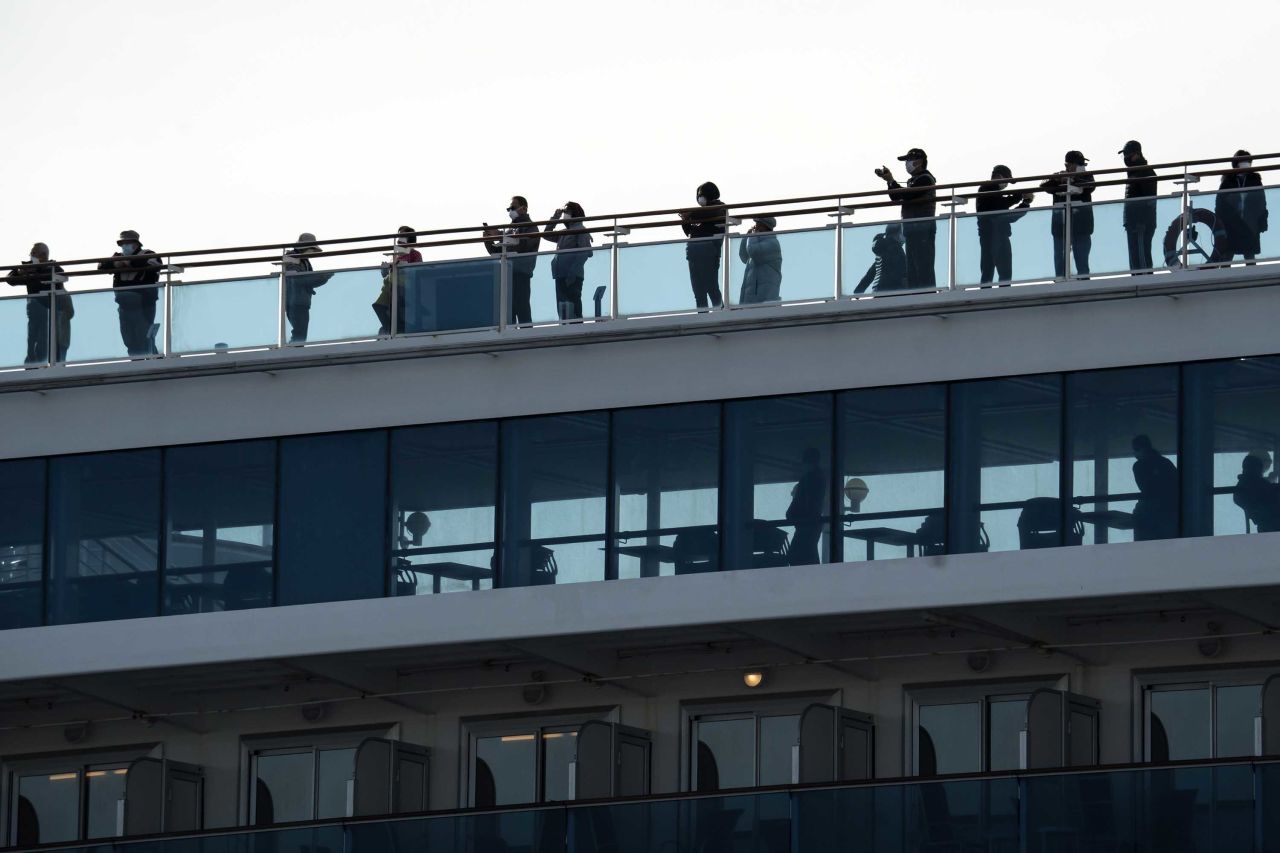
105,530
1142,246
782,266
444,490
1004,246
22,494
564,285
667,476
220,506
446,296
668,278
892,473
332,305
777,481
211,316
106,325
24,330
505,770
879,259
1232,225
1123,442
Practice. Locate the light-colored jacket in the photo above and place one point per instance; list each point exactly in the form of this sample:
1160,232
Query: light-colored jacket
762,279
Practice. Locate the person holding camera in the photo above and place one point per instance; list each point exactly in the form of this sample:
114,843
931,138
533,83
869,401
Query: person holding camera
516,241
700,225
43,277
919,204
1073,183
762,254
998,210
135,271
568,270
1139,206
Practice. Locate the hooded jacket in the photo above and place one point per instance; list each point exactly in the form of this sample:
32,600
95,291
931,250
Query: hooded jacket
1244,212
573,237
762,277
705,221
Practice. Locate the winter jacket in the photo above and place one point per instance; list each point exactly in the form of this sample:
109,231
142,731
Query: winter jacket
1139,195
889,270
300,275
705,221
1081,210
571,263
991,201
35,276
917,198
517,243
762,279
1243,213
140,270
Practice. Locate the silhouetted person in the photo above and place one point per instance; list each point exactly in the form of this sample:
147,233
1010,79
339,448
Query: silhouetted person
918,200
37,276
1156,514
707,220
1139,206
888,272
1257,496
300,283
805,511
402,253
1075,183
998,210
762,254
521,242
568,267
1241,208
134,271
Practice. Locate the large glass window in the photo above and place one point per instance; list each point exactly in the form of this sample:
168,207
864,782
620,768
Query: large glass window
332,517
305,782
667,488
777,481
1193,720
1233,424
60,799
1123,449
892,471
47,808
104,792
220,502
514,762
1006,446
970,729
555,478
22,494
443,494
105,536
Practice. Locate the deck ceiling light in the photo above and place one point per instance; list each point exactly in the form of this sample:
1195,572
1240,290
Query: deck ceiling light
753,678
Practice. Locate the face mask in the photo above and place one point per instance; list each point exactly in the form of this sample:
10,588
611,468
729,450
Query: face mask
1245,164
129,248
401,241
1078,167
913,165
512,212
33,259
702,201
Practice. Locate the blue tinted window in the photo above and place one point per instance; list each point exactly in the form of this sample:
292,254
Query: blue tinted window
555,472
667,477
1123,453
332,517
1005,439
22,494
220,506
105,536
777,481
893,456
443,489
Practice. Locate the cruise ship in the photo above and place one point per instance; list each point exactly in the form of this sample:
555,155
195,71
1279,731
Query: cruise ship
873,564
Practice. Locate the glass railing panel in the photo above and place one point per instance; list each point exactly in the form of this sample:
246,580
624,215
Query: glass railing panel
24,331
531,830
1005,246
211,316
782,266
1232,226
660,278
444,296
1268,805
1130,236
570,285
878,258
124,322
642,827
332,305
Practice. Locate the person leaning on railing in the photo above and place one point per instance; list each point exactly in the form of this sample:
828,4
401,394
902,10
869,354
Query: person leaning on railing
134,272
37,276
1074,183
919,204
705,221
1241,207
568,270
1139,206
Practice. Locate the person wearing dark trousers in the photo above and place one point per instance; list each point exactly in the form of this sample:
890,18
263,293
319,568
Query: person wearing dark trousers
1075,183
402,254
1155,515
1139,207
704,222
1241,208
918,200
37,275
808,497
568,269
134,271
997,211
521,241
888,272
300,283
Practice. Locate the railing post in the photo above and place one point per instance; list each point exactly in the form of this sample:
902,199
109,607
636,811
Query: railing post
613,273
504,289
168,305
393,290
1066,231
951,244
51,348
280,307
1024,817
839,285
725,277
1187,224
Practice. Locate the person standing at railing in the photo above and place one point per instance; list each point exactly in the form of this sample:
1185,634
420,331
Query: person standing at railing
39,275
135,272
515,241
402,253
1075,183
919,205
568,269
762,254
1241,207
997,211
1139,206
300,283
704,222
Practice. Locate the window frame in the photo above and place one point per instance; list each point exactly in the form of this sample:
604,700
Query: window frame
1210,678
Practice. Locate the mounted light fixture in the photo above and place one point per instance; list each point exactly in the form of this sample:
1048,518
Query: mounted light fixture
753,678
418,523
855,492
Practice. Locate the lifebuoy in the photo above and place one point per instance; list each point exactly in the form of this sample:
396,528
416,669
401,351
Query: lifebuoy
1177,230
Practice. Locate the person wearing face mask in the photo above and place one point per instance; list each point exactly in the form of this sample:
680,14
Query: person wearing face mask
134,269
573,249
1241,208
1139,207
39,275
888,272
997,211
701,225
402,253
760,251
1075,183
520,240
919,204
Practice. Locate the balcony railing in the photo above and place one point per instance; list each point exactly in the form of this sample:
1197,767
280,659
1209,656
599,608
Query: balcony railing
1193,808
829,255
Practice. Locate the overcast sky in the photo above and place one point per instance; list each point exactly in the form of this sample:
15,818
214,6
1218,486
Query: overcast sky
237,121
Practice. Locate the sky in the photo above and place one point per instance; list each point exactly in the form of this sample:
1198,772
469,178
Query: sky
244,121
